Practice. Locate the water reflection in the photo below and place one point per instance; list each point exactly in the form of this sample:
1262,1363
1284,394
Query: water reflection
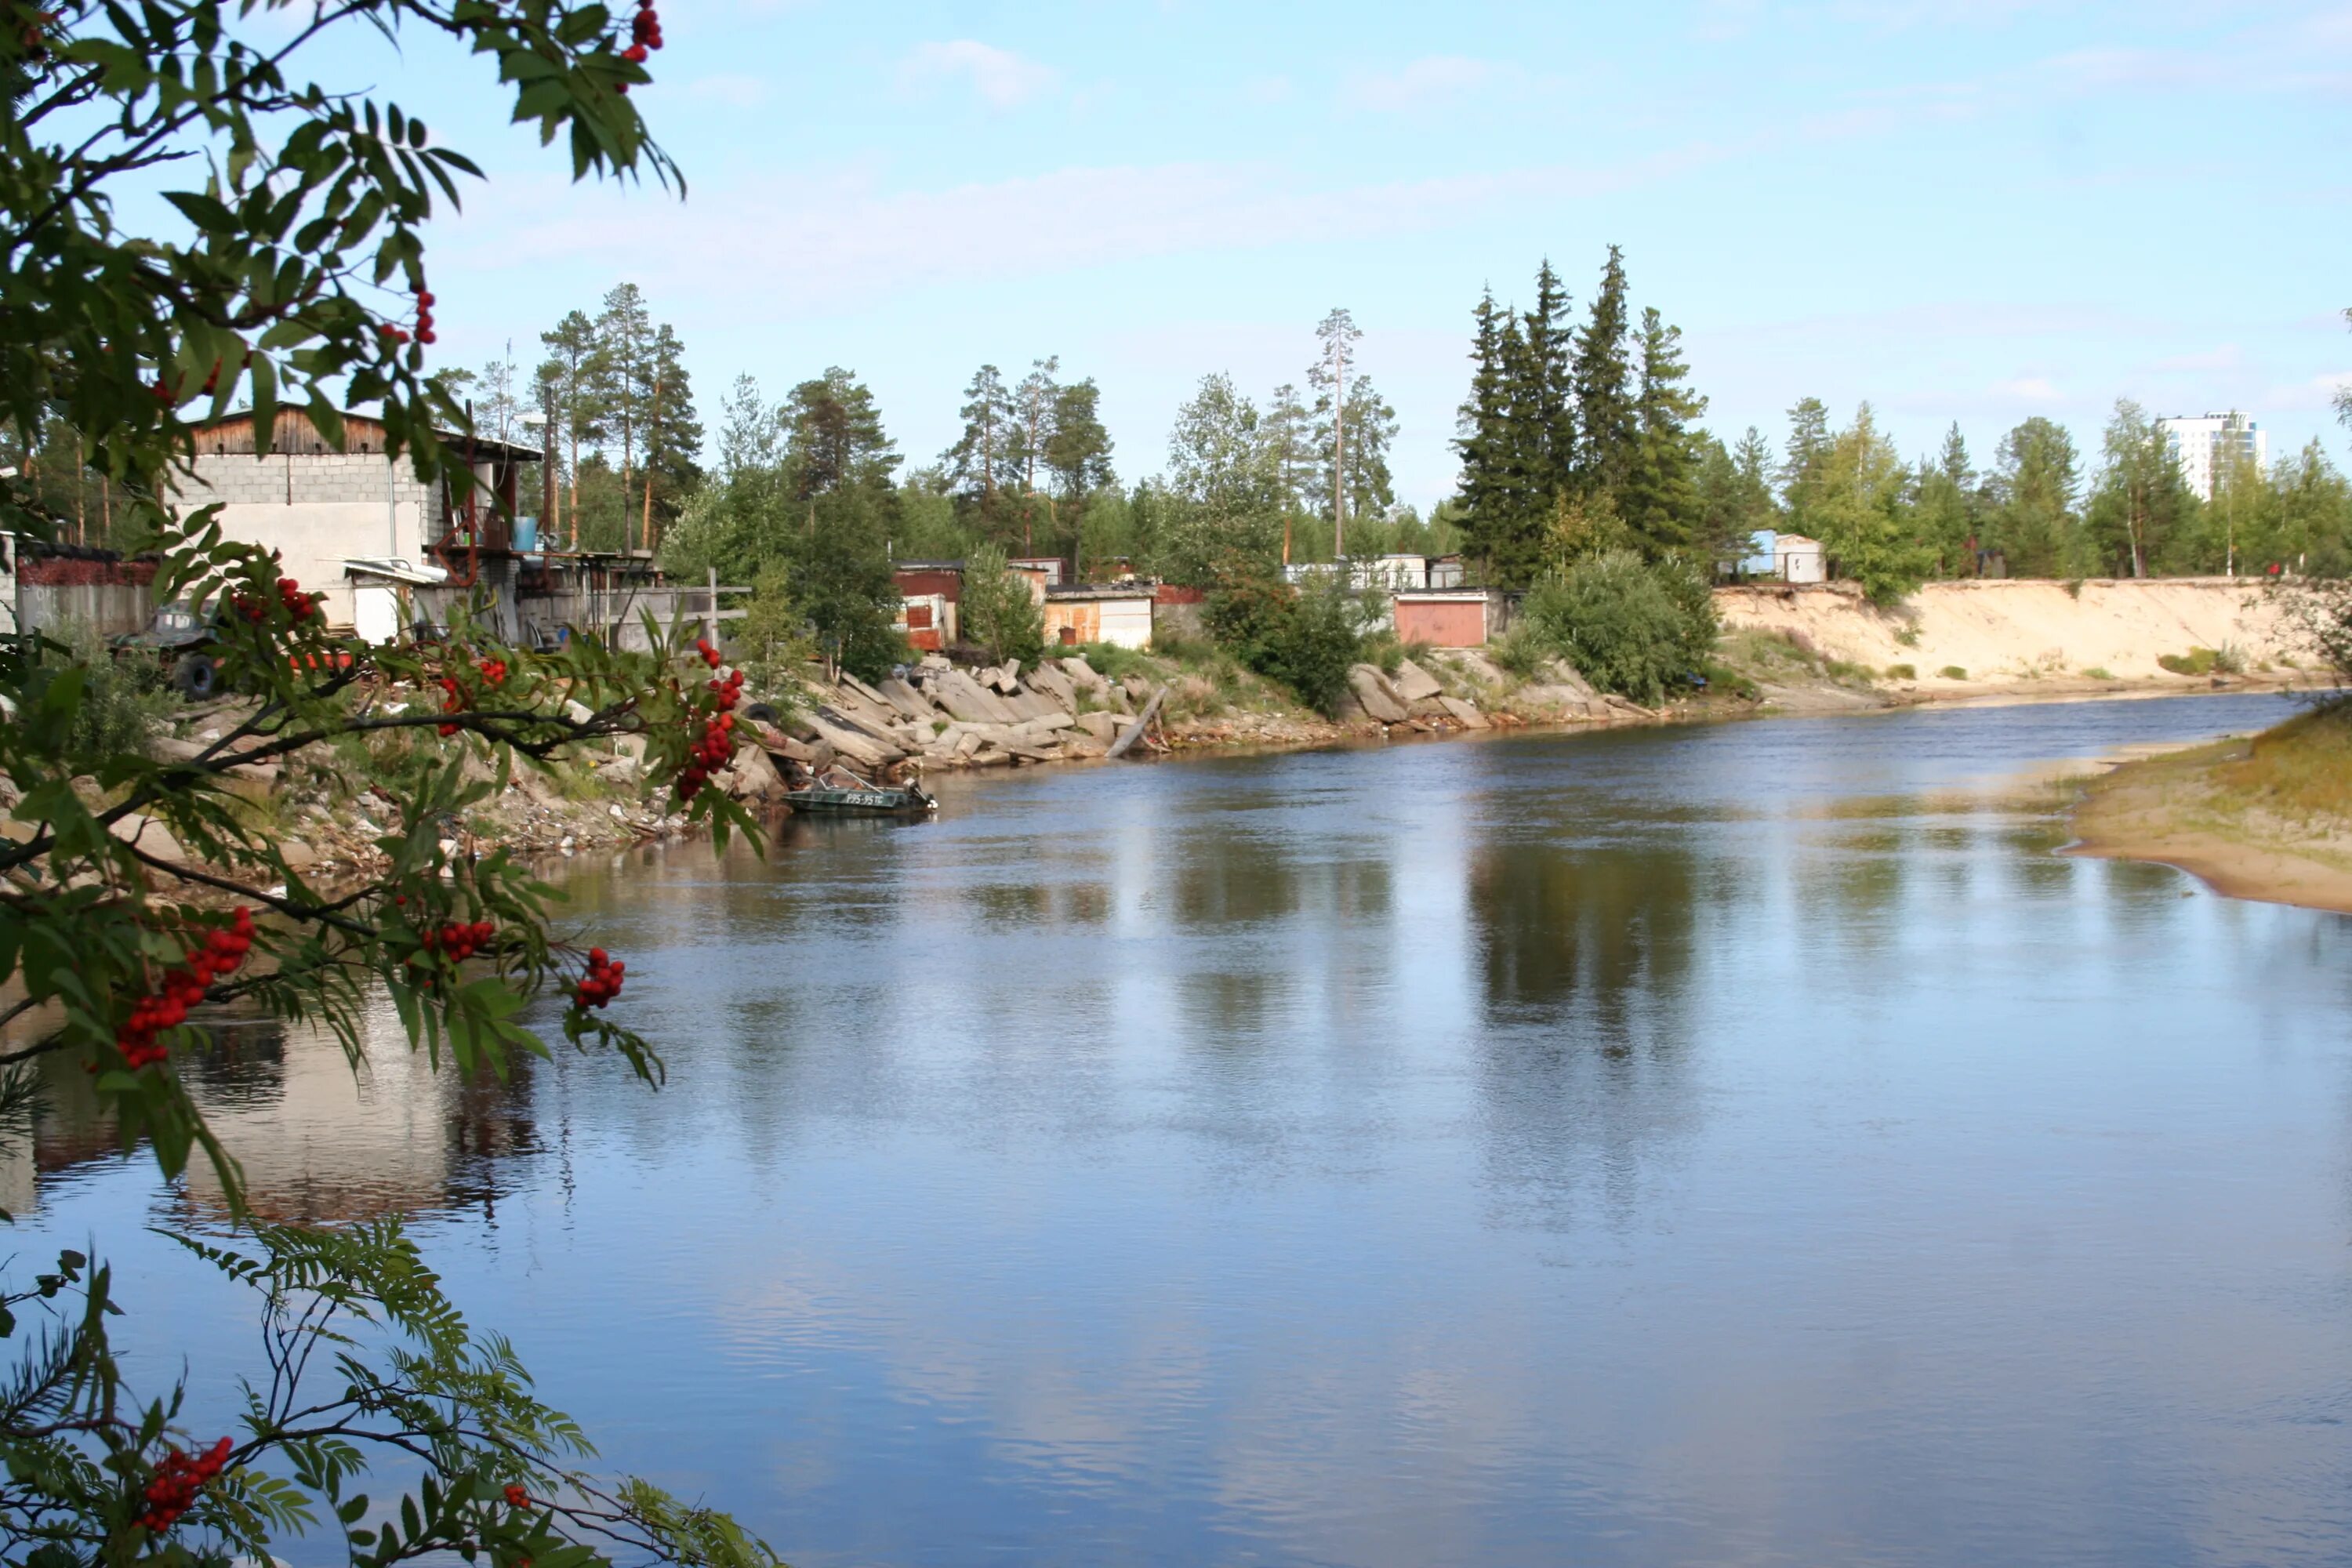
1750,1145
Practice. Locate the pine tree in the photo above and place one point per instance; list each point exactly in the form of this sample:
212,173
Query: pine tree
1033,403
499,406
625,337
981,458
1339,334
1288,430
1660,500
1372,427
1077,455
834,439
574,371
1609,427
1801,472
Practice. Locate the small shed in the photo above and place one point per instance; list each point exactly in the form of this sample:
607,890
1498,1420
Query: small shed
1442,617
1046,567
1798,559
1395,573
924,620
1176,612
929,593
1119,615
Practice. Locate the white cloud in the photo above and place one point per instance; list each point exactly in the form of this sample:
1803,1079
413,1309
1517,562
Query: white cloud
840,240
1425,83
2030,389
2307,396
1001,79
2229,356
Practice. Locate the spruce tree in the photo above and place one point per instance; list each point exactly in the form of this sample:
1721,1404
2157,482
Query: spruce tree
673,435
1481,441
1801,472
1660,500
1545,401
1608,427
1525,508
1751,460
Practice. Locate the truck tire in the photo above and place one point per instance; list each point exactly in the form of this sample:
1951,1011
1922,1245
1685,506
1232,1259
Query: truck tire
196,677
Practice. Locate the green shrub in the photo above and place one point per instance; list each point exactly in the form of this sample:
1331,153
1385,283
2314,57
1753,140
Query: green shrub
1953,672
1307,640
2229,659
770,642
1901,672
1627,627
999,613
121,697
2196,661
1722,678
1516,652
1908,636
1847,669
1178,648
2098,672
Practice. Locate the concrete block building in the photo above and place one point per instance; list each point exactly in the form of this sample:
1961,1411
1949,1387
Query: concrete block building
321,510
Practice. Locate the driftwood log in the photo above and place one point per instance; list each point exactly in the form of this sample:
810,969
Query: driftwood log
1134,731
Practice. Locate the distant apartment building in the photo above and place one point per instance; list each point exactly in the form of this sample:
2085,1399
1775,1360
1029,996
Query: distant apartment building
2203,445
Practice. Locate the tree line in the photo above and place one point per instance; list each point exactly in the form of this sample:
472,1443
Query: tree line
1576,442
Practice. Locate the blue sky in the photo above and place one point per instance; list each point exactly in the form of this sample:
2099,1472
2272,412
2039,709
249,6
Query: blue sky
1974,211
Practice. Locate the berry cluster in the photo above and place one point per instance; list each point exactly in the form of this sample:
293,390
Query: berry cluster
453,701
597,987
224,949
423,321
716,745
644,32
458,941
494,670
299,604
516,1497
177,1481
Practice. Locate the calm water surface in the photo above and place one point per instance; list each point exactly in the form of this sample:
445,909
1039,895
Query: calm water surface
1748,1145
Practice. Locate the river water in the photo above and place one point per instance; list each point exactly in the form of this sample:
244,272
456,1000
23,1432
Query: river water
1747,1144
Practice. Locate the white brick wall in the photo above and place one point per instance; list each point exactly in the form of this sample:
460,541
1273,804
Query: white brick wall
325,478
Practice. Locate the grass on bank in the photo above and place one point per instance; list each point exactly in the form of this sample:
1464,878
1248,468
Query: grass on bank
2300,770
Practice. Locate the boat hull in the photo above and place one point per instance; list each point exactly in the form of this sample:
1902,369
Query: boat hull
861,802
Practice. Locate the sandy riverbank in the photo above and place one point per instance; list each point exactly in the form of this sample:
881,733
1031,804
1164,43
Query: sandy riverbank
2267,817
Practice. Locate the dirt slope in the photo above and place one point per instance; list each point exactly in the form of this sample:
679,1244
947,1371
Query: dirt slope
2012,636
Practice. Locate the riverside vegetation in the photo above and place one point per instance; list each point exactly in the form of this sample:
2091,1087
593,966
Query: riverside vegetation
140,895
2269,817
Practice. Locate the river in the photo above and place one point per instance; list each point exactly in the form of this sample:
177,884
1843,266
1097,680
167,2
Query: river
1750,1144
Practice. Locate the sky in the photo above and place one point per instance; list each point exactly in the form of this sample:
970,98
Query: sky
1970,210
